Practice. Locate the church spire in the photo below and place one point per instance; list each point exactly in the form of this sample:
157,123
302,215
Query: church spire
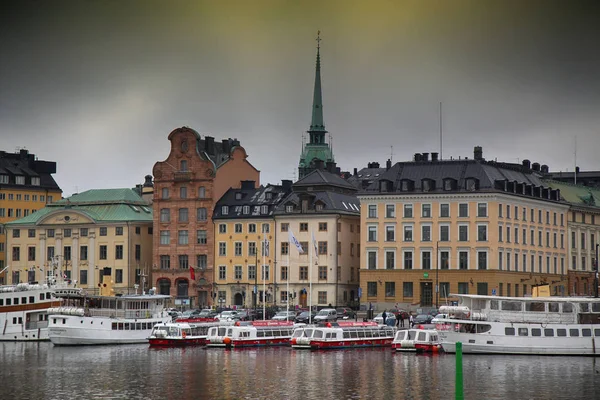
317,125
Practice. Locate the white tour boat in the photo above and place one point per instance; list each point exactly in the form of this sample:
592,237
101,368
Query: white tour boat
23,309
178,334
88,319
522,325
344,334
417,340
251,334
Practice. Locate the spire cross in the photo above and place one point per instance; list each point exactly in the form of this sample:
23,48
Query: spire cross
318,39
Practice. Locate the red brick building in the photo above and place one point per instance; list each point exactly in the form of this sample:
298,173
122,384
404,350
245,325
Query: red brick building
187,185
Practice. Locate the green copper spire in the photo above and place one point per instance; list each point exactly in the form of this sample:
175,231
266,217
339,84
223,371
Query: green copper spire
317,124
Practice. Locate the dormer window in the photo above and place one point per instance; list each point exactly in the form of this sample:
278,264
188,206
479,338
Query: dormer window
246,210
264,209
449,184
35,181
319,207
269,195
385,185
225,210
472,184
407,185
428,185
289,208
3,178
238,196
20,180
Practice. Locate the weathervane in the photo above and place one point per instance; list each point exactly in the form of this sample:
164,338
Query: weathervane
318,39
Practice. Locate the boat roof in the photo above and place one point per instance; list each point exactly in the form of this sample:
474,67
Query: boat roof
581,299
81,293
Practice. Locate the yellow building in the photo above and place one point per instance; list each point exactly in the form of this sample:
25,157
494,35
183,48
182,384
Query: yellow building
85,237
26,185
432,228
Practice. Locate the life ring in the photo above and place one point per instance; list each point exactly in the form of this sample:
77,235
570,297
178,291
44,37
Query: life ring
183,334
137,313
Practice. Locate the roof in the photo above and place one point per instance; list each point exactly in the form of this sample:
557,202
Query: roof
332,202
100,205
254,199
25,164
576,194
366,176
321,178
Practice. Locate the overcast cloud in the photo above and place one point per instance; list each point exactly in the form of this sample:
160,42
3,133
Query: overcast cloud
98,86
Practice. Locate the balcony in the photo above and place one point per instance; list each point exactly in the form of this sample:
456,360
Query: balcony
180,176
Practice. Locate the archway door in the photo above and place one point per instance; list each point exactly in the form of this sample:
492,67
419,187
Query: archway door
182,288
238,299
164,286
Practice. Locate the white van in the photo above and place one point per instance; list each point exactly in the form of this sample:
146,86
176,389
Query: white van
326,314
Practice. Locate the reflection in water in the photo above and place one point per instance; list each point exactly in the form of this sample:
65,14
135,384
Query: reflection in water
41,371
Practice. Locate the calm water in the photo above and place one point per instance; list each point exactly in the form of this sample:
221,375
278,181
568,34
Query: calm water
41,371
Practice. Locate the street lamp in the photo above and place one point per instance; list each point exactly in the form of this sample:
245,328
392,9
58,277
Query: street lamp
595,266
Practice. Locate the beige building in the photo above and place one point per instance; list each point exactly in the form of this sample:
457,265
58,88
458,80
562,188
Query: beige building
431,228
83,237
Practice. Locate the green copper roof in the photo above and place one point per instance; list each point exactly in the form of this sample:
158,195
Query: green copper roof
317,124
576,194
100,205
319,151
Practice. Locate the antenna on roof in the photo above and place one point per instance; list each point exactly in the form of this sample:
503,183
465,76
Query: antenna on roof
391,153
575,156
441,143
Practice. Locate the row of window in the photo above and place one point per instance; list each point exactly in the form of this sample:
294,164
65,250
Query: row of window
83,232
427,261
183,237
505,261
444,210
83,278
532,213
426,233
183,261
550,332
584,218
23,299
238,272
183,193
15,213
540,242
24,197
67,253
408,289
586,262
582,242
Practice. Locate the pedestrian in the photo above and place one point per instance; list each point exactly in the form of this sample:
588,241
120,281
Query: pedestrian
398,318
402,317
384,316
411,321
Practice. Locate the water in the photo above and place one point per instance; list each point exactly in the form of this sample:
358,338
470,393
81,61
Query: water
41,371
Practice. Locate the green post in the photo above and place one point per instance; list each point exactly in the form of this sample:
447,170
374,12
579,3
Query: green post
459,393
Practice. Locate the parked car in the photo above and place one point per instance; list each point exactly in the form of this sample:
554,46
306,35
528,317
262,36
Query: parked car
436,319
326,314
345,313
230,315
388,316
302,318
207,313
423,319
284,316
243,315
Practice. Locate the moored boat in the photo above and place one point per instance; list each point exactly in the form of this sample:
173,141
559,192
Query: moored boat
417,340
343,334
177,334
522,325
251,334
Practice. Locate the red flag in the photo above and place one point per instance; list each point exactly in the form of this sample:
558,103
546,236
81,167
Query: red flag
192,274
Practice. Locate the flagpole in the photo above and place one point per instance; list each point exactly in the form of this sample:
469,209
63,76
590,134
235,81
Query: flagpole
288,278
310,268
264,281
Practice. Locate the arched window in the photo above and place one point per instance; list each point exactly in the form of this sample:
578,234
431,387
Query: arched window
183,165
164,286
201,192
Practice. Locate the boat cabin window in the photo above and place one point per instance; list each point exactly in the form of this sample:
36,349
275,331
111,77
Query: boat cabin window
493,304
595,307
318,334
584,307
536,306
260,333
573,332
222,331
567,307
512,306
552,307
597,332
523,332
361,334
368,334
353,334
229,331
536,332
482,328
346,335
561,332
422,336
509,331
330,335
548,332
586,332
412,335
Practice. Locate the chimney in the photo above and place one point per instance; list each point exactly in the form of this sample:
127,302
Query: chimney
425,156
355,171
247,185
478,153
320,165
235,142
535,166
418,157
388,164
330,167
545,169
527,164
209,145
434,156
226,144
374,165
148,181
286,185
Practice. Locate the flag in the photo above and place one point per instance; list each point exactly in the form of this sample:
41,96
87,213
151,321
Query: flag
192,274
265,248
316,248
292,239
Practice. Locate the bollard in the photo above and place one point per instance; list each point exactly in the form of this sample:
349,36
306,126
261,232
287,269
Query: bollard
459,393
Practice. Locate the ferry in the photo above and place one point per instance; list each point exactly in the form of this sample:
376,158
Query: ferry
23,309
417,340
83,319
343,334
251,334
176,334
522,325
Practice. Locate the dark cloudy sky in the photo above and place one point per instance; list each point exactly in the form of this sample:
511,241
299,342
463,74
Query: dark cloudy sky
98,85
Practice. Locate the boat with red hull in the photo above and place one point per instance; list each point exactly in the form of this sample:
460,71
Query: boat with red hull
182,333
417,340
251,334
342,335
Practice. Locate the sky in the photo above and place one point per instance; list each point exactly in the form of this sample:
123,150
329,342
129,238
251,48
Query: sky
97,86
